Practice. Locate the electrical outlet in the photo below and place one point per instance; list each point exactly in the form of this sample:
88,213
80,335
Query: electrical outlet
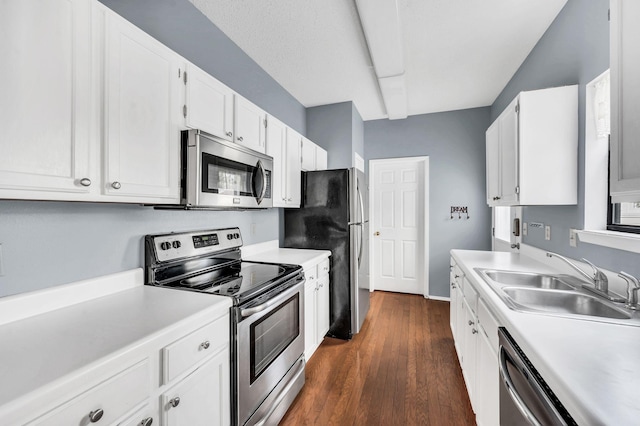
525,228
547,232
573,238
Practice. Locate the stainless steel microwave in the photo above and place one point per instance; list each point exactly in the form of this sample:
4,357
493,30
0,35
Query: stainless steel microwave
219,174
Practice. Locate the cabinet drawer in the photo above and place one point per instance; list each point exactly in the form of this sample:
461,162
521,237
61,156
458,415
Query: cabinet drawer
489,324
182,354
115,396
311,275
470,295
323,268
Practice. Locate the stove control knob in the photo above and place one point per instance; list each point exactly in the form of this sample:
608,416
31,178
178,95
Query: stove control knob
165,246
177,244
236,235
229,236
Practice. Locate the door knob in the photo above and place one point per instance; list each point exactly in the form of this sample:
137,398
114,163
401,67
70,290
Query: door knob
376,234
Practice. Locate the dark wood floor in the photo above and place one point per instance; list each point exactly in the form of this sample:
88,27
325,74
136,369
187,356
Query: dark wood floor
401,369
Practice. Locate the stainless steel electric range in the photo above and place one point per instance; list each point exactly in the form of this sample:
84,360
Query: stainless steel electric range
267,318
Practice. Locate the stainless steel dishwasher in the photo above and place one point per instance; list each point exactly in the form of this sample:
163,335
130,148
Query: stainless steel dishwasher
525,399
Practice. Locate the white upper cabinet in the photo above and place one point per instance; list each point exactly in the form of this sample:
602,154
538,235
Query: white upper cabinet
285,151
308,160
532,150
142,113
46,150
321,158
249,124
625,101
208,103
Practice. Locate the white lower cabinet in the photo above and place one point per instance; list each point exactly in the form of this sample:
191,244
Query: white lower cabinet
316,306
475,334
202,398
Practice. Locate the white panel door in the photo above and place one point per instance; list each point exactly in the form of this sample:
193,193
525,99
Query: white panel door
493,164
209,104
249,124
45,99
308,155
143,115
398,225
277,149
509,154
294,178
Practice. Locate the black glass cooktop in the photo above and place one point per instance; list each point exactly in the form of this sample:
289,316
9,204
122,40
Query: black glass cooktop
241,280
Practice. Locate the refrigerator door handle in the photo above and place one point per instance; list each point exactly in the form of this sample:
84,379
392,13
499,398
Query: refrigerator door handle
362,221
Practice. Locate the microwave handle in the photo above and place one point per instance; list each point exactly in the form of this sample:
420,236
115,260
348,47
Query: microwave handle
263,192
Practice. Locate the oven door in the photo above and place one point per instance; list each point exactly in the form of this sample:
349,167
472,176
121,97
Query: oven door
224,174
270,339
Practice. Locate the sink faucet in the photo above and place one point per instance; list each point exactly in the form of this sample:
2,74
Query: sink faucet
633,286
599,279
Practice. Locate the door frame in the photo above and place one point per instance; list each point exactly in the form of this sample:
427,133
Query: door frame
425,249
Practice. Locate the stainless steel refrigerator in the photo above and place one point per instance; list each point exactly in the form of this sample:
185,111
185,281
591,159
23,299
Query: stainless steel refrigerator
333,216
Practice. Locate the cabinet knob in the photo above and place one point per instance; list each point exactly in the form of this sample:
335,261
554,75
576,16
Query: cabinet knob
116,185
205,345
229,134
456,276
85,182
288,199
146,422
175,401
474,331
470,322
240,138
496,198
96,415
376,234
453,285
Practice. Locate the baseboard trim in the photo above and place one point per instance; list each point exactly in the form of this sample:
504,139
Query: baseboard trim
441,298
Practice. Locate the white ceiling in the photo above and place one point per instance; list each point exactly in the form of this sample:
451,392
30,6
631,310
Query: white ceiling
458,53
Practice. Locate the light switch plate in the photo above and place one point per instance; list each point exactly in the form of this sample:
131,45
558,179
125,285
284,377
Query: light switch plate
573,238
525,228
547,232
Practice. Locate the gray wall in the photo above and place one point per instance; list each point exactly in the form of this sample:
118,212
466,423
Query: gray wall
51,243
574,50
455,144
338,128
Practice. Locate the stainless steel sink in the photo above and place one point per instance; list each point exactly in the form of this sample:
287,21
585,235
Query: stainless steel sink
563,302
561,295
529,279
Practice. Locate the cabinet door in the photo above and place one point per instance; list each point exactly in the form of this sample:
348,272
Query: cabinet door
209,103
46,99
625,101
509,154
249,124
202,398
321,158
453,301
277,148
294,185
310,318
461,327
143,114
308,155
488,396
323,309
469,364
493,164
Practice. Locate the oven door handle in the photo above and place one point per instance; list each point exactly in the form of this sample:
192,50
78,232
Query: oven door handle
263,191
244,313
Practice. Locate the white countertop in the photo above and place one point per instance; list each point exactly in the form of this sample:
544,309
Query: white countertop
45,347
592,367
270,252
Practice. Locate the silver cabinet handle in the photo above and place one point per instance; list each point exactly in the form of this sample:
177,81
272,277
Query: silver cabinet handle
96,415
229,134
240,138
453,285
456,276
85,182
146,422
288,199
175,401
116,185
474,331
205,345
470,322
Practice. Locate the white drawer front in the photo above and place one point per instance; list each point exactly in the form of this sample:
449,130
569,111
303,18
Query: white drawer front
489,324
323,268
182,354
115,396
